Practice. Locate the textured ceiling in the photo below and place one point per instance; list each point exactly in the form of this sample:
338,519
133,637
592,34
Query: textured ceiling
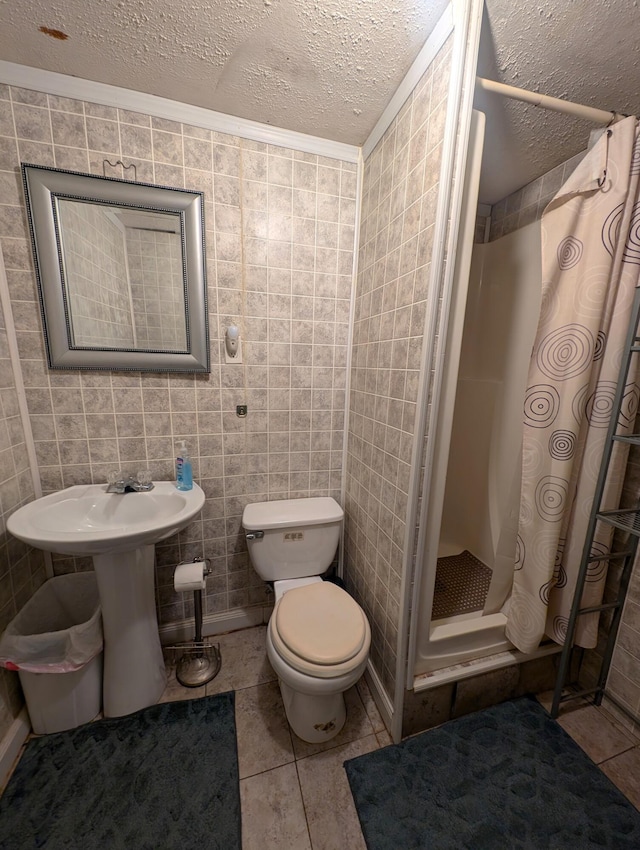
329,67
587,51
324,68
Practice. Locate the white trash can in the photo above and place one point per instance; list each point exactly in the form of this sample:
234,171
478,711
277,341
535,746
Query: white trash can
55,644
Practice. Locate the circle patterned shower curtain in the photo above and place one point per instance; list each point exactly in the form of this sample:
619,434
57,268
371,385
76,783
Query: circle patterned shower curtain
590,269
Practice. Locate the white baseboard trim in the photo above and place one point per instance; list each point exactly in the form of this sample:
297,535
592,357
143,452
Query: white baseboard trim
216,624
384,704
12,743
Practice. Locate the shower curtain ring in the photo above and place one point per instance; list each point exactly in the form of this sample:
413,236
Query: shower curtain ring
601,180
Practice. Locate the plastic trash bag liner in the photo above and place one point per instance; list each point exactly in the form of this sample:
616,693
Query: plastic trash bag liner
59,630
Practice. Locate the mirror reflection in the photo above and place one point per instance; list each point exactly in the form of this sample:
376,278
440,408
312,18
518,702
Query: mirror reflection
122,275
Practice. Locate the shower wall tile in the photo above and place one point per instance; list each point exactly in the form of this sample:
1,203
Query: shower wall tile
527,204
400,190
279,246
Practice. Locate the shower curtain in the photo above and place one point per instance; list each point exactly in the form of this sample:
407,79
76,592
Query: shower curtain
590,268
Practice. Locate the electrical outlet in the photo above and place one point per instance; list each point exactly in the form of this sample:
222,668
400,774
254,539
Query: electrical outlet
237,358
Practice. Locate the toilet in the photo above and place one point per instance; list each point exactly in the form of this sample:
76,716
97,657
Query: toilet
318,636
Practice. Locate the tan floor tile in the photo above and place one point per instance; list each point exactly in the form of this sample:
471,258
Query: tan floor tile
370,706
331,812
546,699
272,811
621,719
595,733
244,660
624,771
264,740
384,739
357,726
175,691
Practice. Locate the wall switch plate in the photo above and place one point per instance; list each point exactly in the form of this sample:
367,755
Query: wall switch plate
237,358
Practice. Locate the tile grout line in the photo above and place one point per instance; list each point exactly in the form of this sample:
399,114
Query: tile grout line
622,752
304,806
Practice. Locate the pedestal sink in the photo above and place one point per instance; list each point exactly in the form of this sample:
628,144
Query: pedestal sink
120,532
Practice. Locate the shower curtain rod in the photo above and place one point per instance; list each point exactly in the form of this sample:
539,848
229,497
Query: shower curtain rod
588,113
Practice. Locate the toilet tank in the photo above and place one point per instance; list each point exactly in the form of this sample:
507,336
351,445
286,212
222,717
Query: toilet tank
292,538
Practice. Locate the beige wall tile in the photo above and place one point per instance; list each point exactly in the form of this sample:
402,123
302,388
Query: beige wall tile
391,283
22,569
257,263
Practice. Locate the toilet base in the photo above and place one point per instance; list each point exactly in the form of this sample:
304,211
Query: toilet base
314,718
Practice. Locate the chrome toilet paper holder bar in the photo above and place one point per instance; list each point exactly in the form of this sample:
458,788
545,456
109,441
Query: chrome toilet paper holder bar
200,661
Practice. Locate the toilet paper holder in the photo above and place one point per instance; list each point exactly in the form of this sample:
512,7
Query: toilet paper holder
200,660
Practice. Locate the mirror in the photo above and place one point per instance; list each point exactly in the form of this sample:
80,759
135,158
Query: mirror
120,272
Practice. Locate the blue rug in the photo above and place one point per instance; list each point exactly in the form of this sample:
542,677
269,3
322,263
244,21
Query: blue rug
508,778
165,778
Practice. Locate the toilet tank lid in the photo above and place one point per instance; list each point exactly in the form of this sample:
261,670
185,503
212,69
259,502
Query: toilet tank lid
289,513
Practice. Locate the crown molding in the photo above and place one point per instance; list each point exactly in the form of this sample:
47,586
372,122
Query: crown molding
77,88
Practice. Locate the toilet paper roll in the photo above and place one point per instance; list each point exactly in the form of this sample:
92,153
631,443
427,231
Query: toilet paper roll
189,577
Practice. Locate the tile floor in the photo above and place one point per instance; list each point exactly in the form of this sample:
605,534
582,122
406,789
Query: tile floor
295,796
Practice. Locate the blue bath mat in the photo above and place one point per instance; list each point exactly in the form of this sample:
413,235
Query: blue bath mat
506,778
165,778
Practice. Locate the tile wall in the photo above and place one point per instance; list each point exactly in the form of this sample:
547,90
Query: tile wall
279,243
22,569
157,291
527,204
95,261
400,191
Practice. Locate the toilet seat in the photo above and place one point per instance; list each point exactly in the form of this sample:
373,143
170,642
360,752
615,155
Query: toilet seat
320,630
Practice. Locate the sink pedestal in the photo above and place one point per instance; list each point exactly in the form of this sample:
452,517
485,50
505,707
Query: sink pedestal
119,531
134,670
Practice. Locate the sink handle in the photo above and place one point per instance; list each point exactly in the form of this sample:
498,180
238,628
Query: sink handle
122,482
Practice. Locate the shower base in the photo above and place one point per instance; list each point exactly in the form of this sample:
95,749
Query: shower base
462,584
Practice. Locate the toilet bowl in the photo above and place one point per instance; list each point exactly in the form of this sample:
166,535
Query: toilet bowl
318,637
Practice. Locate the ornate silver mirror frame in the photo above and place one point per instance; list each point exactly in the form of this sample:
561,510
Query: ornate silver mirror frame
69,275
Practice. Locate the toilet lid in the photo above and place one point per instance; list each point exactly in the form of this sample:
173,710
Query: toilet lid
321,623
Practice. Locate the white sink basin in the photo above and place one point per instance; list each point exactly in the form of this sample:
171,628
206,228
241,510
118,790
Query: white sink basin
86,520
119,531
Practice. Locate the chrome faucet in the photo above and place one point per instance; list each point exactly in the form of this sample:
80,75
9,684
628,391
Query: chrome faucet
120,482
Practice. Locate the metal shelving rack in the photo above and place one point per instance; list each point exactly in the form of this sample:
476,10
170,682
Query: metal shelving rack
627,520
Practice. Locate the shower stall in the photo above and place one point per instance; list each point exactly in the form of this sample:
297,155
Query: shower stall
474,490
470,548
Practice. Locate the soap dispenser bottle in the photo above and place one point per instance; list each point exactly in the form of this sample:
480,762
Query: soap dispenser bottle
184,471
